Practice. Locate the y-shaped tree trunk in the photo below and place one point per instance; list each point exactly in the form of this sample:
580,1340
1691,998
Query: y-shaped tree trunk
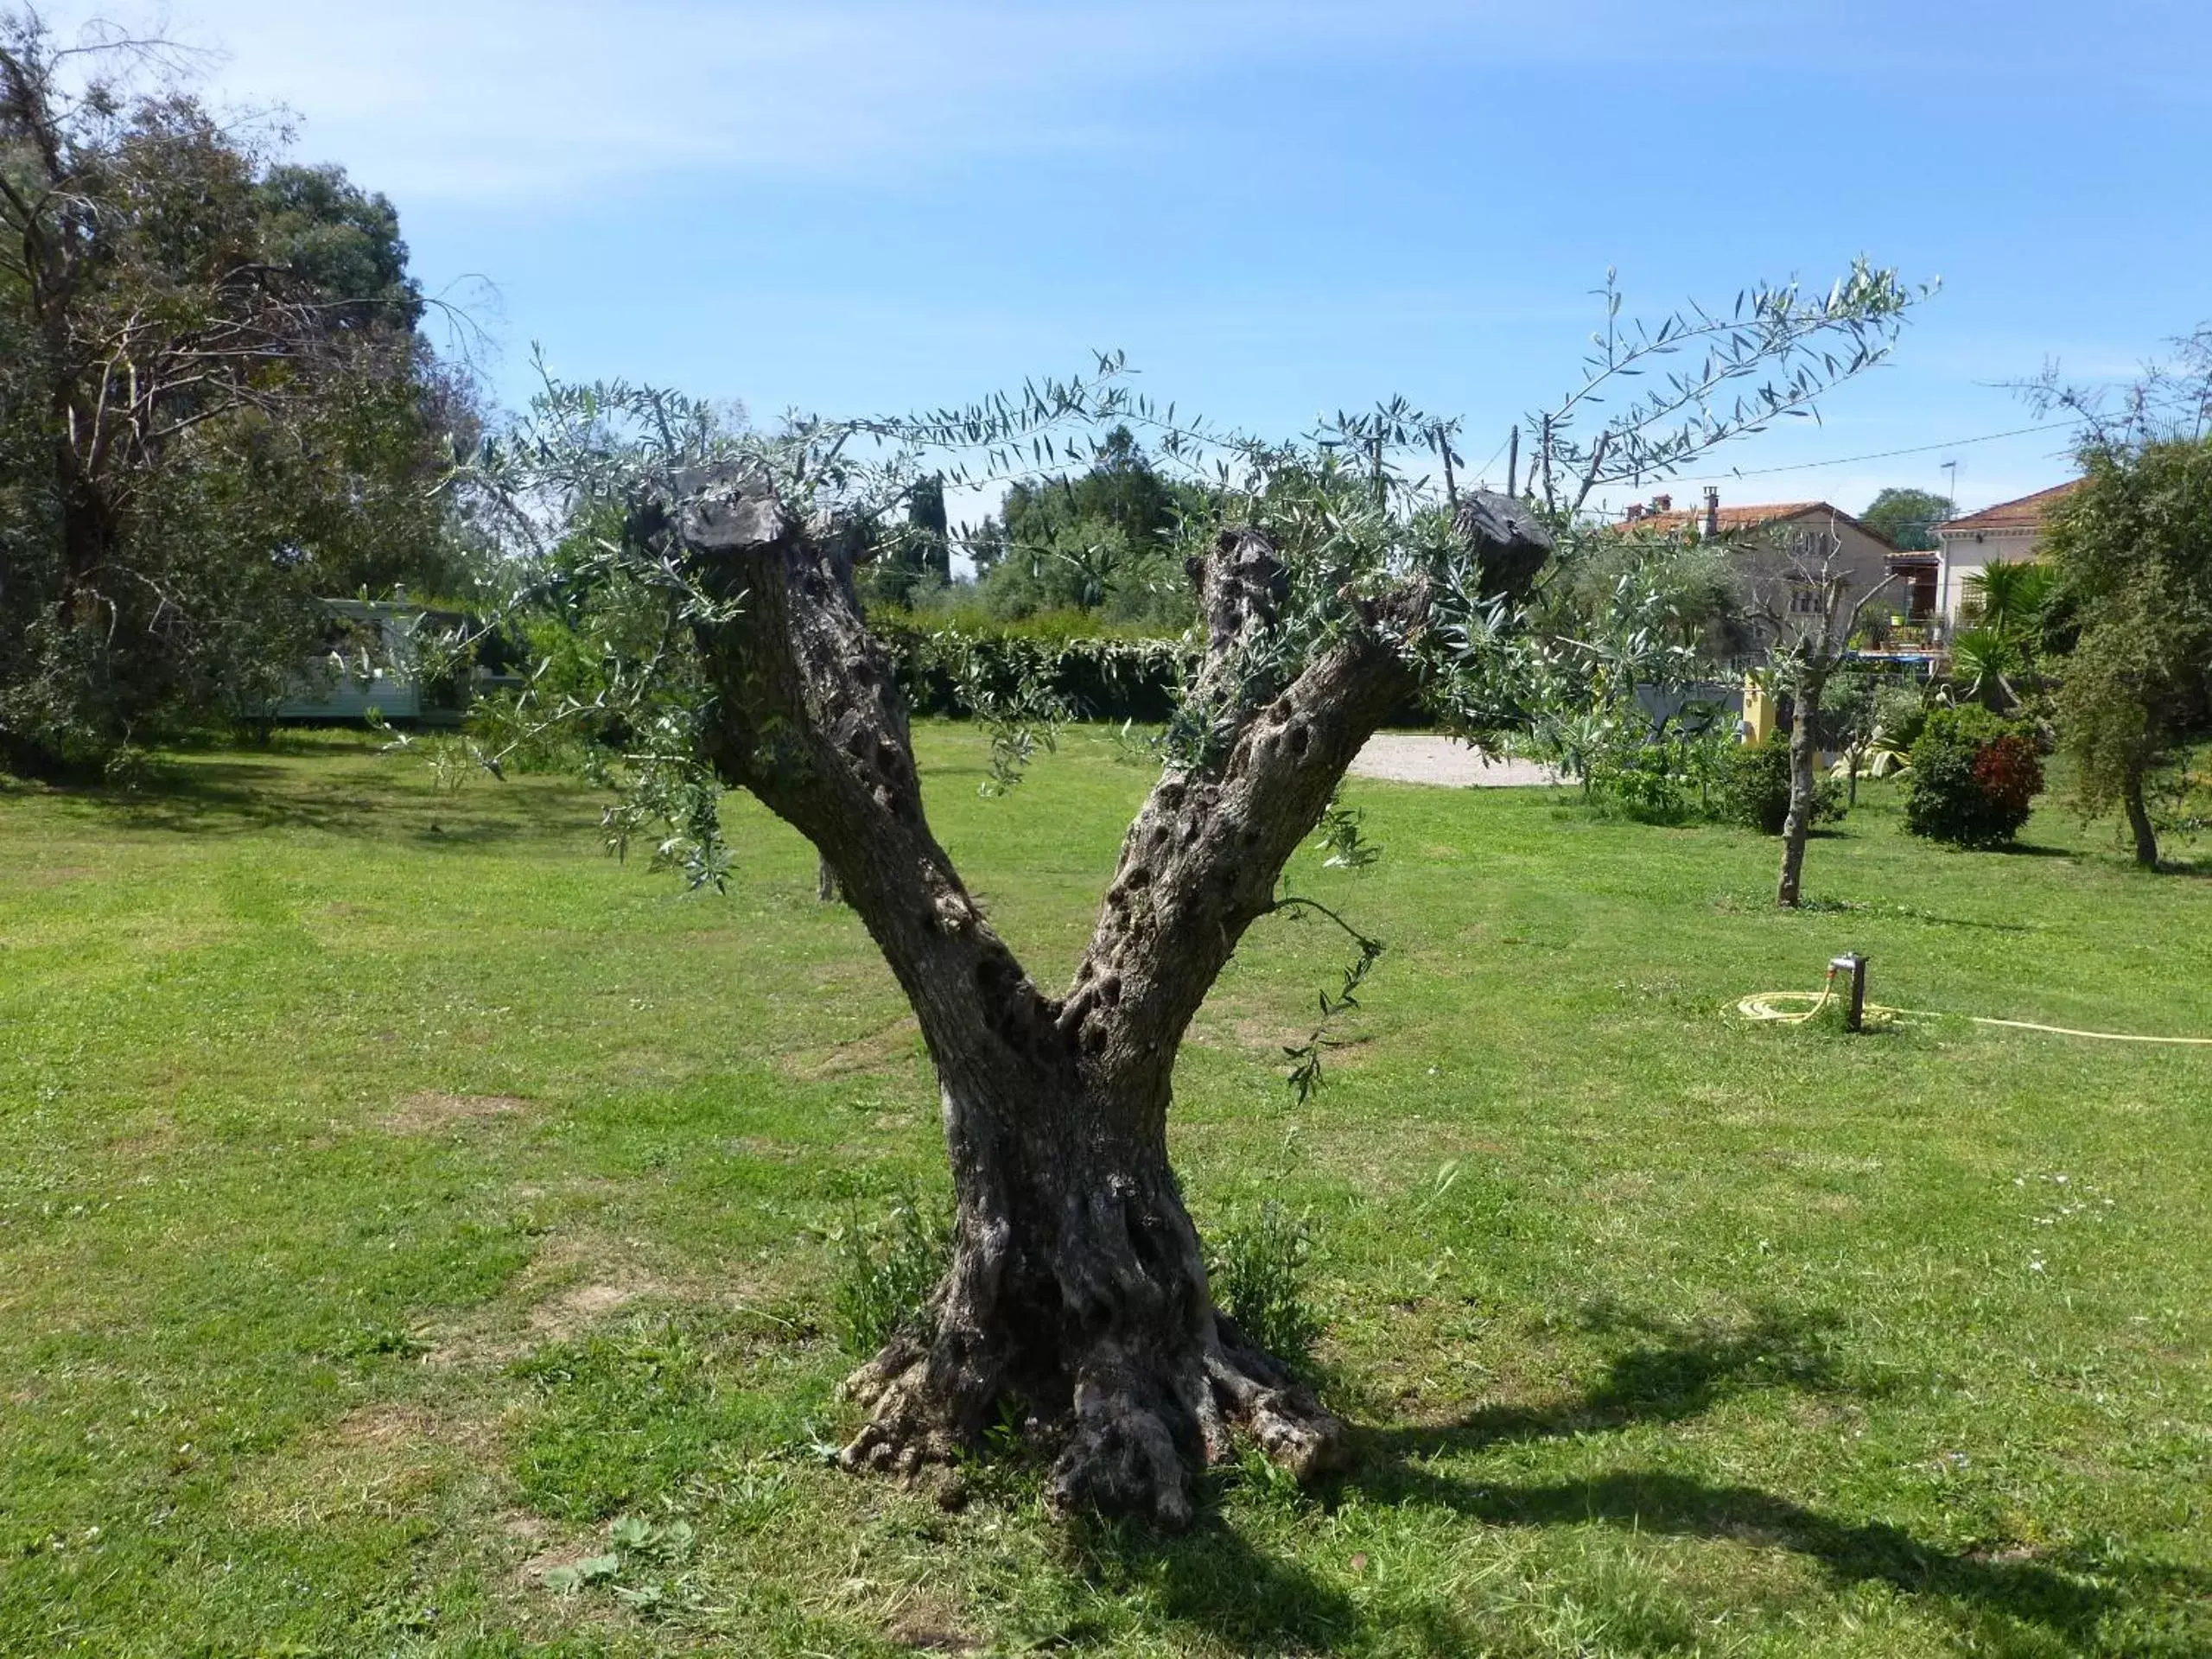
1078,1290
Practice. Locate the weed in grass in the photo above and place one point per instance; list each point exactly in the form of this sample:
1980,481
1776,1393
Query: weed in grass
1259,1271
886,1271
622,1420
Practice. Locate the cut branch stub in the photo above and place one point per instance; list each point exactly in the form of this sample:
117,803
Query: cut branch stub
1241,585
730,507
1510,542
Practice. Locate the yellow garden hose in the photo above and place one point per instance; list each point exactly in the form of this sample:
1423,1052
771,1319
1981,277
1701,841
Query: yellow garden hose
1772,1006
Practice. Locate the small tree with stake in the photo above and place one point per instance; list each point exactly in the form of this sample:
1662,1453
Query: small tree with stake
1803,594
1077,1297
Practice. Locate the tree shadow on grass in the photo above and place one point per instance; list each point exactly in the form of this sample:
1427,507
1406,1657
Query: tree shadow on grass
1824,906
2031,849
1213,1579
2004,1601
1680,1372
1983,1589
241,797
2192,869
1686,1372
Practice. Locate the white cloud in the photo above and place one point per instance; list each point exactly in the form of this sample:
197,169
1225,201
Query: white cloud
489,100
482,100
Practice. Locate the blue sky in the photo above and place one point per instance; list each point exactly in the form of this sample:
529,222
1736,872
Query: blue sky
1273,209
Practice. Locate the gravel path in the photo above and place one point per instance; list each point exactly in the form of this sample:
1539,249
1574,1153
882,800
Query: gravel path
1405,758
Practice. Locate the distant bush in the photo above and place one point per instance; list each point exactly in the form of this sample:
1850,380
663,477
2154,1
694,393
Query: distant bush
1973,781
1665,778
1900,715
1755,788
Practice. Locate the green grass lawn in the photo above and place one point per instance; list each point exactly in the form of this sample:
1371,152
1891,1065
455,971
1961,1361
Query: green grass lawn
400,1200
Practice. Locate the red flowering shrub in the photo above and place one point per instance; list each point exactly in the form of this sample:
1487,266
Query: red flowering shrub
2009,771
1973,779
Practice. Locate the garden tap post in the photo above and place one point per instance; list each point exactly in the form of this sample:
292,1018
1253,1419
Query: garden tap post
1854,964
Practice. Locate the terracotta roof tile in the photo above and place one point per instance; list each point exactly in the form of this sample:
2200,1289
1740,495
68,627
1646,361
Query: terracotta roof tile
2026,512
1750,518
1730,518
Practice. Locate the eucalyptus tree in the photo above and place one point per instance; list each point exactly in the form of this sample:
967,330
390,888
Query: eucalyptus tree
217,406
1329,588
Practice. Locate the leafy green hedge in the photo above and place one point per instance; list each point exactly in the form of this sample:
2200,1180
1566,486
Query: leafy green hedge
1096,678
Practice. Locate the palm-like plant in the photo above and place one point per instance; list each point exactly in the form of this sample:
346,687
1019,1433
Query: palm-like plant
1879,752
2012,597
1984,662
2009,600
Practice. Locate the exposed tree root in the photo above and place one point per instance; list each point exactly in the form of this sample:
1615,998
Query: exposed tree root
1132,1426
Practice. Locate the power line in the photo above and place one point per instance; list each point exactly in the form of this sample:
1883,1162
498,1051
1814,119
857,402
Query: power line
1884,454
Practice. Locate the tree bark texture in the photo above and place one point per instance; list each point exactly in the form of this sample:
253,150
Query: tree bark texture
1799,822
1078,1293
2139,818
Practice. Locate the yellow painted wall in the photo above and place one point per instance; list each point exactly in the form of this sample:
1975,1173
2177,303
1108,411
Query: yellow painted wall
1758,712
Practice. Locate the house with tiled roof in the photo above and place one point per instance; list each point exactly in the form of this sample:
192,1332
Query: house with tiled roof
2009,533
1773,533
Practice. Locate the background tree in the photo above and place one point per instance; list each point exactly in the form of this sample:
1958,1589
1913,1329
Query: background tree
1852,706
926,525
985,545
1907,518
1097,541
1803,593
2132,553
2171,400
218,406
1624,629
1077,1303
1696,592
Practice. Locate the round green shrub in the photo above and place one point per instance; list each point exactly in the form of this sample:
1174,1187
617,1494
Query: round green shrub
1973,780
1755,788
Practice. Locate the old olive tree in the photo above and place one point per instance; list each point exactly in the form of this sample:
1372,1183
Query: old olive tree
717,568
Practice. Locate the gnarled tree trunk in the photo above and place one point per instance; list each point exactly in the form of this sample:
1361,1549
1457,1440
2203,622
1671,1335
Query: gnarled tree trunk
1078,1290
